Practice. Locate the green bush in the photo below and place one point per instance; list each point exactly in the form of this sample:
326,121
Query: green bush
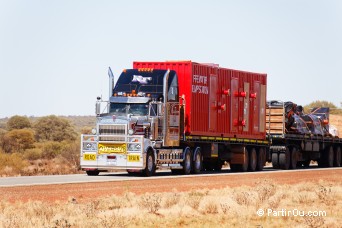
33,154
18,122
51,149
17,140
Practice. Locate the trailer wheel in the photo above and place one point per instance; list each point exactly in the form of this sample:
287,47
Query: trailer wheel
150,168
252,160
285,159
261,159
187,161
294,158
338,157
92,172
275,160
197,162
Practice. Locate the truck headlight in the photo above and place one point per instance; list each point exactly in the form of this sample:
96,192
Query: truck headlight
130,131
93,131
134,147
89,146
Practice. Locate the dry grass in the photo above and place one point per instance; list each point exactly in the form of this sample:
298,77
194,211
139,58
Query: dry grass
227,207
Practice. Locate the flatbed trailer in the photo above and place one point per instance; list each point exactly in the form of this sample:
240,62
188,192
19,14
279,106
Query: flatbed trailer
289,151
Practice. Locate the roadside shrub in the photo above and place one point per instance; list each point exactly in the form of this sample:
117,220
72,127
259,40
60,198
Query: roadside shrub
51,149
11,164
18,122
151,202
53,128
33,154
71,152
18,140
211,207
265,189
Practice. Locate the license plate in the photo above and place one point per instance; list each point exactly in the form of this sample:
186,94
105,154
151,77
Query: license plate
112,148
133,157
89,157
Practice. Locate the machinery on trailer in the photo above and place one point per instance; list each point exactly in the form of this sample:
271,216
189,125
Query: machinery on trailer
182,116
296,138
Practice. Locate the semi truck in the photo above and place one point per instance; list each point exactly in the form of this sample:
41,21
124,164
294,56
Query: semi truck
187,117
179,115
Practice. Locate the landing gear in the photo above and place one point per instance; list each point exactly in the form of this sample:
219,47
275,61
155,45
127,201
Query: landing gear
294,158
243,167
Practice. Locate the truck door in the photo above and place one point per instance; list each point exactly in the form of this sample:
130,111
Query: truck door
171,121
213,103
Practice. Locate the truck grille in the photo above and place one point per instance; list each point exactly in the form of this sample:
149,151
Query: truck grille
118,129
112,132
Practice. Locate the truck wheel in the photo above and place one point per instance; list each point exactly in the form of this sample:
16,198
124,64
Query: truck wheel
275,160
337,157
285,159
187,162
150,168
92,172
261,159
252,160
294,158
197,162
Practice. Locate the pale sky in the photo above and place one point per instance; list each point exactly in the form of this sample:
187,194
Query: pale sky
54,55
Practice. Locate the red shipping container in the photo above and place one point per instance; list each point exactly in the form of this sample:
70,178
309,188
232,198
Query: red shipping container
220,102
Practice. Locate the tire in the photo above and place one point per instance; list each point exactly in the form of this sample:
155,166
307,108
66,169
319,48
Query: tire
337,157
150,168
187,162
275,160
261,156
285,159
92,172
294,158
252,160
197,161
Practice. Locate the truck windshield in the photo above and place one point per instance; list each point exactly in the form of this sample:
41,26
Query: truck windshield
129,108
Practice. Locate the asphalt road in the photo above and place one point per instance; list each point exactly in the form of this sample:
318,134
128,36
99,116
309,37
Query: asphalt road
122,176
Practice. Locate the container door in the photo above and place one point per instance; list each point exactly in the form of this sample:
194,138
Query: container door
213,103
262,109
246,107
256,107
235,105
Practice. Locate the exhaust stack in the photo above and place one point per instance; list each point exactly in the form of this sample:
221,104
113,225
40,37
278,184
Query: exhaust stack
111,82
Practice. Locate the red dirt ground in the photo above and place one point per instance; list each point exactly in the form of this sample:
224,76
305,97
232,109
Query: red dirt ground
90,191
